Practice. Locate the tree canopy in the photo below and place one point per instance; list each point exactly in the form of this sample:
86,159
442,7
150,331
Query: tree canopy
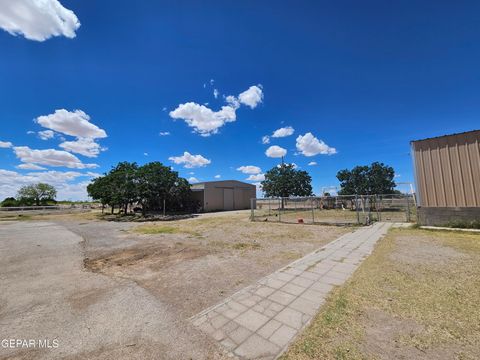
152,186
284,181
37,194
367,180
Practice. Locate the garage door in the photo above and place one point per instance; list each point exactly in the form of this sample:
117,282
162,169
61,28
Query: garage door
228,199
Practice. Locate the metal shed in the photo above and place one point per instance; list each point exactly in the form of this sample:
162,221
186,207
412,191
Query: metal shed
447,176
224,195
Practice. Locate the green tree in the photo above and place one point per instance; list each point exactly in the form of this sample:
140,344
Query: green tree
37,193
9,202
123,179
101,189
367,180
284,181
152,185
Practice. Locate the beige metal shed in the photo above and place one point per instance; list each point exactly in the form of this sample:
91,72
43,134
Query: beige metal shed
447,176
224,195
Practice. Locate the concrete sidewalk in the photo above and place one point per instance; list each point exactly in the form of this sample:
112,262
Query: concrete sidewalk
259,321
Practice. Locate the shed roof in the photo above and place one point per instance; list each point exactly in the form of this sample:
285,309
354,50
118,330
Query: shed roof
447,135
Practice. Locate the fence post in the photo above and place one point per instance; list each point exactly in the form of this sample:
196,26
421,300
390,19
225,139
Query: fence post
408,209
252,211
357,209
313,211
280,209
377,207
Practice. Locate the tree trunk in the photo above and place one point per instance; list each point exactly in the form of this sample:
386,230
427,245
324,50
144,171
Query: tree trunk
113,208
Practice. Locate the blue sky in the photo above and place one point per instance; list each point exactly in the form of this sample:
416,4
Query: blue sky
363,78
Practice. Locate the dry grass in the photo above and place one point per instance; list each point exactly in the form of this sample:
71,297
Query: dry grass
162,229
415,297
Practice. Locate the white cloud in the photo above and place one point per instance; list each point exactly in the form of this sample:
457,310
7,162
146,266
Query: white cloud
190,161
192,180
309,145
37,20
46,134
74,123
30,167
164,133
275,151
250,169
258,177
283,132
265,139
202,119
215,93
232,101
50,157
206,121
11,181
251,97
83,146
312,163
217,176
5,144
145,154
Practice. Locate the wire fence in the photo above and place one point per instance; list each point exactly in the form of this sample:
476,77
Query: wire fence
346,209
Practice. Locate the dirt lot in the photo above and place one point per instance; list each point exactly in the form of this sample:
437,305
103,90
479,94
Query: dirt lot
129,287
415,297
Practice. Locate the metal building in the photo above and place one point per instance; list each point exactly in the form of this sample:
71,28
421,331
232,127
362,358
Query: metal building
224,195
447,176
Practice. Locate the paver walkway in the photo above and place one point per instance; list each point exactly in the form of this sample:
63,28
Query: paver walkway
259,321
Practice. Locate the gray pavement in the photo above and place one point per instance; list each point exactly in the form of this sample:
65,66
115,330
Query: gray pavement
46,294
260,321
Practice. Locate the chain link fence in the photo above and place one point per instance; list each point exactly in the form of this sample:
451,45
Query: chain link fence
341,210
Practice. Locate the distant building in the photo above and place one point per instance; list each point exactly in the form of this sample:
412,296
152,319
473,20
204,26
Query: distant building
447,176
224,195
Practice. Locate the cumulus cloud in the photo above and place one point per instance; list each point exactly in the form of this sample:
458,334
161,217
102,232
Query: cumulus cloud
37,20
30,167
192,180
50,157
5,144
83,146
251,97
215,93
265,139
309,145
312,163
206,121
164,133
74,123
275,151
258,177
11,181
46,134
217,176
190,161
283,132
202,119
249,169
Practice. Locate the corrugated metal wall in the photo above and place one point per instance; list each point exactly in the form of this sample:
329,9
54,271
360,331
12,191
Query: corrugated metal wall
447,170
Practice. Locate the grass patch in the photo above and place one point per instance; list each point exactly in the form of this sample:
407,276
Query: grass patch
431,305
19,217
246,246
159,229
